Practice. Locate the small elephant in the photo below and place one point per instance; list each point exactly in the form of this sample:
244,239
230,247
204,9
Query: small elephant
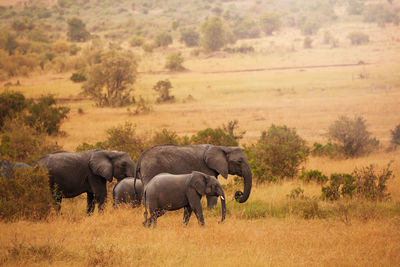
172,192
7,167
74,173
126,191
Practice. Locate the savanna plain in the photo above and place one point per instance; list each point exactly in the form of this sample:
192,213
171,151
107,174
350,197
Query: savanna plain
280,83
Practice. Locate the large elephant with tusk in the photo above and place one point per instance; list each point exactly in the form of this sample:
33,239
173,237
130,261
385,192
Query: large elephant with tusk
208,159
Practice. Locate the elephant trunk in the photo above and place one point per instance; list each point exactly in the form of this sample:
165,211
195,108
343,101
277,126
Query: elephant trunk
223,207
248,178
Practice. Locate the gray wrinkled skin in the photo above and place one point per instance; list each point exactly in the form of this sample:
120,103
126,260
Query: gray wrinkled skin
172,192
124,192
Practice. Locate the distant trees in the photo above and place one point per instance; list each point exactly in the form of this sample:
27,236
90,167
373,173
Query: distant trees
77,30
163,39
245,28
110,81
174,61
270,22
190,37
163,87
358,38
215,35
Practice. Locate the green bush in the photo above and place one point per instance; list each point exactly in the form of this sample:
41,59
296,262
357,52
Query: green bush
330,150
313,175
163,39
364,183
395,140
352,137
122,138
163,88
45,115
136,41
26,195
381,14
215,34
216,136
77,30
190,37
11,103
245,28
79,76
358,38
174,61
278,154
355,7
168,137
20,142
270,22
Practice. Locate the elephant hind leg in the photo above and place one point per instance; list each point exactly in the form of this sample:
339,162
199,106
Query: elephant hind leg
187,212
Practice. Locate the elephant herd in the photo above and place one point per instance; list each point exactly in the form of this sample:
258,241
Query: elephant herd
166,177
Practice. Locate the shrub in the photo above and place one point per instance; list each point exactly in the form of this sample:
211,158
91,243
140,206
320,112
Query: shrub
395,133
215,136
352,137
122,138
381,14
190,37
77,30
245,28
358,38
174,61
243,49
310,26
277,154
79,76
26,195
148,47
110,81
163,87
136,41
330,150
364,183
169,137
313,175
270,22
340,185
163,39
355,7
45,115
11,103
22,143
307,43
215,35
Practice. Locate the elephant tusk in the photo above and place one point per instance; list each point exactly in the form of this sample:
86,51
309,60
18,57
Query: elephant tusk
222,198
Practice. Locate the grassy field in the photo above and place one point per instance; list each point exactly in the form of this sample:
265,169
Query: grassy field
225,87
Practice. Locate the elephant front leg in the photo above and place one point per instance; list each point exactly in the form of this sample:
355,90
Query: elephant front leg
187,212
90,203
101,200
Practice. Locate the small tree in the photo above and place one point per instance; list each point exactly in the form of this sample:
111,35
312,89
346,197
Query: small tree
77,30
163,39
358,38
277,154
245,28
45,115
11,103
174,61
395,141
109,82
214,35
270,22
163,87
190,37
352,136
216,137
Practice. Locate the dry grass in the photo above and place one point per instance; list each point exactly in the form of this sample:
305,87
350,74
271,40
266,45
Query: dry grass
306,99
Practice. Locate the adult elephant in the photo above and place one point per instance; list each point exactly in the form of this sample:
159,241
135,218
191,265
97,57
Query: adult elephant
74,173
209,159
7,167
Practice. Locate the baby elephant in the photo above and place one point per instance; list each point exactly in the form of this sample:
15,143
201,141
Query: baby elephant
172,192
124,192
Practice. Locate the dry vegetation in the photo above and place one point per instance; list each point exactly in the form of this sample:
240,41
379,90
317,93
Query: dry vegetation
227,87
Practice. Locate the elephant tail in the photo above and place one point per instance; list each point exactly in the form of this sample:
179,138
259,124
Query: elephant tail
145,210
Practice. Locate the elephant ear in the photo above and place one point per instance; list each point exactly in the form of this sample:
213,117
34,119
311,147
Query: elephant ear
101,165
199,182
215,158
